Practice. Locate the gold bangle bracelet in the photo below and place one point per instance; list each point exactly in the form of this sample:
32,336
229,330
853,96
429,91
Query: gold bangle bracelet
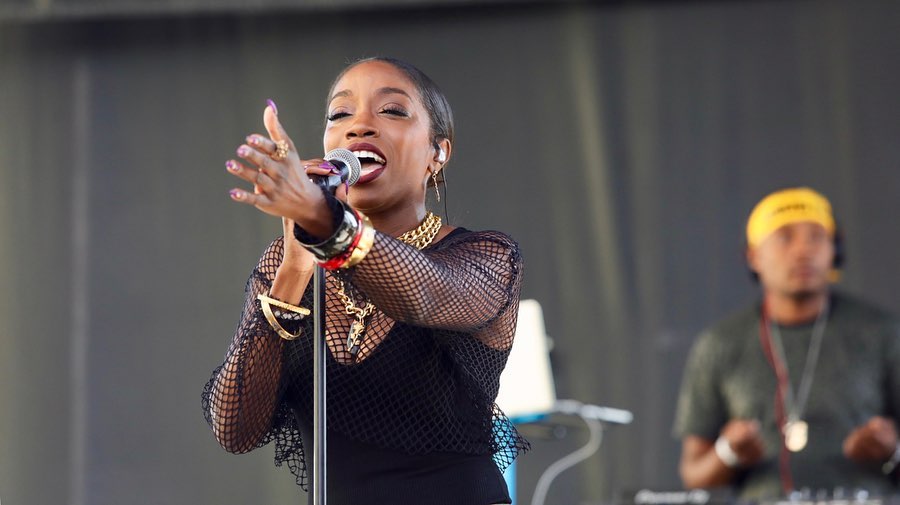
281,305
270,317
366,239
266,303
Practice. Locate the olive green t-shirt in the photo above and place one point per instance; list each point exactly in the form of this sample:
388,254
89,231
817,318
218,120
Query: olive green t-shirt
857,376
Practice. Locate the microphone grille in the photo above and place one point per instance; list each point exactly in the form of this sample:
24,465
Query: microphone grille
347,158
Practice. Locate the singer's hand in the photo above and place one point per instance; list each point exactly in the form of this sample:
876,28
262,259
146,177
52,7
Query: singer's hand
874,441
282,187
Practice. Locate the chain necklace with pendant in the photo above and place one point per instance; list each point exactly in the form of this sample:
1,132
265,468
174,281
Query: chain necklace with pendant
420,237
795,429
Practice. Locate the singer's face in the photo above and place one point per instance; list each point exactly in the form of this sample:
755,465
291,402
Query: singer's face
376,112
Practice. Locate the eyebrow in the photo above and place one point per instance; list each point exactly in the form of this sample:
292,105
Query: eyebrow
387,90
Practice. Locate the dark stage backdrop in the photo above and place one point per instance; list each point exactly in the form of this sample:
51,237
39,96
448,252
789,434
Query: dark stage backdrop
622,145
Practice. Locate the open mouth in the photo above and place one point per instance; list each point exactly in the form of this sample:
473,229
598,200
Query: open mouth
371,162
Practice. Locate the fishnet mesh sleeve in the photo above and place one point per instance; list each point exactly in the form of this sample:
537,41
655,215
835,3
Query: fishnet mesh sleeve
466,290
242,400
470,285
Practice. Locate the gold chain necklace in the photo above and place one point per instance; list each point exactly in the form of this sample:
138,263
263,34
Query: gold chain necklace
419,237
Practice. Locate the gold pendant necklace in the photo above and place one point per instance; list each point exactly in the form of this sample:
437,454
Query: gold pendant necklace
419,237
796,434
795,429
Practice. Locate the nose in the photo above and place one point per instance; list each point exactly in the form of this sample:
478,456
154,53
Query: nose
362,126
803,251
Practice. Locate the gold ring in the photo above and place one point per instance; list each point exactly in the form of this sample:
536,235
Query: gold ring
281,150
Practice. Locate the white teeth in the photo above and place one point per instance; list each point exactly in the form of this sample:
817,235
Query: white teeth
369,154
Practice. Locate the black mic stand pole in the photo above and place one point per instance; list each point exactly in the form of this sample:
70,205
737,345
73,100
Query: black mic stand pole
319,401
349,172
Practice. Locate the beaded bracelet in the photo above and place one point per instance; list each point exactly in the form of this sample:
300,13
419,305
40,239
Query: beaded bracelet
726,453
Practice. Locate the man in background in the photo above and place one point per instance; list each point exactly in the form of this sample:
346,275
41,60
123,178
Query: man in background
800,390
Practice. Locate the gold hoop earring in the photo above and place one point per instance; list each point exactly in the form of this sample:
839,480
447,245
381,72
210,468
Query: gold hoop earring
437,194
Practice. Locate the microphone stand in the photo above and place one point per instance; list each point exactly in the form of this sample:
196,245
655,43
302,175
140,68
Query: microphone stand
320,350
349,168
595,417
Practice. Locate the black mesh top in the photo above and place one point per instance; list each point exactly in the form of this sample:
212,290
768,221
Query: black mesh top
413,414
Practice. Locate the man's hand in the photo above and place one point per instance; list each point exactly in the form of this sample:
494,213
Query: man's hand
701,466
874,441
745,440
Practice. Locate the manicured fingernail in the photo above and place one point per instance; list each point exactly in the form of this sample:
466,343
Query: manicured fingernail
272,104
329,166
252,140
236,194
231,165
243,151
347,186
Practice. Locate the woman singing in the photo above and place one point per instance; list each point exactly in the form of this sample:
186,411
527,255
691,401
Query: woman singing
419,315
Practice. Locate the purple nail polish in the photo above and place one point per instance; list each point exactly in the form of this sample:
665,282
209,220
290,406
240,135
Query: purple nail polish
243,151
235,194
272,104
329,166
252,140
231,165
347,186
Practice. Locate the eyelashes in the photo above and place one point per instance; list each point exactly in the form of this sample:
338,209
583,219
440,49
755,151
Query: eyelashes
390,110
336,116
395,111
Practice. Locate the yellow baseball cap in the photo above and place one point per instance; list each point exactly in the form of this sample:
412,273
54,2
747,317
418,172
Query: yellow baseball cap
788,206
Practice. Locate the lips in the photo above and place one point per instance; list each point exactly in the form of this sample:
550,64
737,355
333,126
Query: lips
803,271
371,159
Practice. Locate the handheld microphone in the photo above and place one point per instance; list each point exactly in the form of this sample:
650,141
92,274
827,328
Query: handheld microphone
348,165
